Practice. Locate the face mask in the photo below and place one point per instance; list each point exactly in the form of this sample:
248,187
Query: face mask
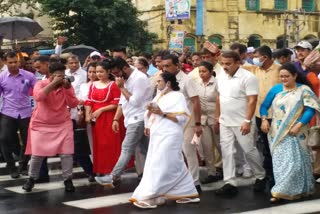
257,62
163,91
277,62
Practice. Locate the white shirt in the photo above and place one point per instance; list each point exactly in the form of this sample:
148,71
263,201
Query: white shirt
139,86
84,90
80,76
4,67
189,89
233,92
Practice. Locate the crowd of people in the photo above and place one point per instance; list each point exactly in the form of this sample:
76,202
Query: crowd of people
237,112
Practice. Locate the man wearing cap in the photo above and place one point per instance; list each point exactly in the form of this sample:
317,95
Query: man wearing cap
94,56
209,53
303,49
250,52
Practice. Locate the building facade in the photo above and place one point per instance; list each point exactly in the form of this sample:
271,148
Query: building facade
277,23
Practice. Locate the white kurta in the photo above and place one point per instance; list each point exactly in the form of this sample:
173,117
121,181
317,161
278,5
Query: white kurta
165,173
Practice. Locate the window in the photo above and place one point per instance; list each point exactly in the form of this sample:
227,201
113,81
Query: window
309,5
280,42
190,42
148,47
253,5
254,41
216,40
281,4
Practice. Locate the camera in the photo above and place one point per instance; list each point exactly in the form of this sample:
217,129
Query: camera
69,78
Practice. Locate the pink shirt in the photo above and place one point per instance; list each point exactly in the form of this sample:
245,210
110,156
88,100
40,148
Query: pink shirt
52,109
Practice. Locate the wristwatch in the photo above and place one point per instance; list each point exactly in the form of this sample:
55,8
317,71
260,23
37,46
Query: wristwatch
164,115
197,124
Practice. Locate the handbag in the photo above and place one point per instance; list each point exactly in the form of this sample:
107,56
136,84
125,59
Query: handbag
314,137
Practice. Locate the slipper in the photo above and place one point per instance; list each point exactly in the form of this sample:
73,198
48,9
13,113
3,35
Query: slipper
188,200
144,205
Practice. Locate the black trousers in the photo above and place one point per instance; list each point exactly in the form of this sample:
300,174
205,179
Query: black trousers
263,146
8,140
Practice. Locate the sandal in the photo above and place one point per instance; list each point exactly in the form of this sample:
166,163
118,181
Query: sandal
144,205
187,200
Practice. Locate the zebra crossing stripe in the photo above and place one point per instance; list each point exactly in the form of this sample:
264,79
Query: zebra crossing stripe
50,160
48,186
51,172
59,185
97,202
312,206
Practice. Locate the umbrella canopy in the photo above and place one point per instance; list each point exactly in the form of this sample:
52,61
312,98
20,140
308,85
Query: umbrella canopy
18,28
82,51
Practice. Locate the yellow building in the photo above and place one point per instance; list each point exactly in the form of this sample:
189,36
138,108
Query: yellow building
251,22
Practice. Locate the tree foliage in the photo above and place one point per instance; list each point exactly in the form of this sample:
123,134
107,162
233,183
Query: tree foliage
103,24
12,6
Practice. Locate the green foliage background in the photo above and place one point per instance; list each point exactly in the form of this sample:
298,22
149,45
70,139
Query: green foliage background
103,24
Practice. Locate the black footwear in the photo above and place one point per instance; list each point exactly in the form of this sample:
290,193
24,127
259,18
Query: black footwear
140,176
14,174
28,185
69,185
260,185
116,181
227,190
199,190
23,169
212,178
43,179
91,179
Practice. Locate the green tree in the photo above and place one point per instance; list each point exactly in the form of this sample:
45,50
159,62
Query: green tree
11,6
103,24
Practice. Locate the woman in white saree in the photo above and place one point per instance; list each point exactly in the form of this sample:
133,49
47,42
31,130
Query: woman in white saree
165,174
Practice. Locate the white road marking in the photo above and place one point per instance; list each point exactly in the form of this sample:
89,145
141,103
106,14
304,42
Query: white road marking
59,184
50,160
293,208
105,201
51,172
48,186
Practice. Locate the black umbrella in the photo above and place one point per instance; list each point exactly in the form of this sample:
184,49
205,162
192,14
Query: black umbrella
17,28
82,51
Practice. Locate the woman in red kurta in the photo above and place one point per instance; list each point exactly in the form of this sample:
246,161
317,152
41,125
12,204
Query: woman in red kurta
101,107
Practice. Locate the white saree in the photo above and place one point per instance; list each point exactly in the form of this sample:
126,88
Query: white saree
165,173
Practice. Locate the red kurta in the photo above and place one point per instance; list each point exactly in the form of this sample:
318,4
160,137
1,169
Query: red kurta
106,143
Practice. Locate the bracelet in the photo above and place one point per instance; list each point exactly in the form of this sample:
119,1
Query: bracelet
115,120
197,124
247,121
263,119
